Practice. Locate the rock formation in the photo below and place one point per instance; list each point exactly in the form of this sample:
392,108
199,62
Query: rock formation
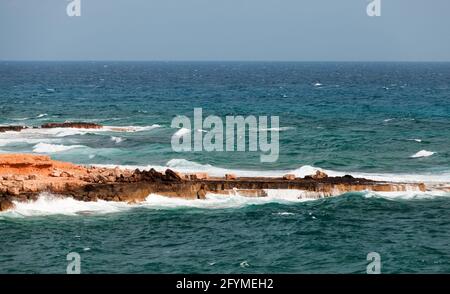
24,176
79,125
11,128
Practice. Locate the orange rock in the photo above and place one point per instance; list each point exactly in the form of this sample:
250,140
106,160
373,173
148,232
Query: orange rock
5,204
319,175
199,176
230,177
289,177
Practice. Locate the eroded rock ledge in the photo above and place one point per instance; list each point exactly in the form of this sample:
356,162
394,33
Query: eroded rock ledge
24,176
78,125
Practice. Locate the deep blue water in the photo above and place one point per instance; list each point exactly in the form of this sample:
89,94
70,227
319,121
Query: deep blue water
358,118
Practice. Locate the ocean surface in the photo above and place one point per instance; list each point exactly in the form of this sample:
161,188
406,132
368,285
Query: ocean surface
385,121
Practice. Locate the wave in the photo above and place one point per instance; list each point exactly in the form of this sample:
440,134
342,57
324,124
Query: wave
64,132
117,140
422,153
406,195
131,129
20,118
181,132
49,204
53,148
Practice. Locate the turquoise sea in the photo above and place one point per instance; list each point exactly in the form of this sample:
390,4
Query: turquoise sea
386,121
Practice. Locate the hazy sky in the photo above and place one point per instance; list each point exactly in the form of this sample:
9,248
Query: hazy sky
303,30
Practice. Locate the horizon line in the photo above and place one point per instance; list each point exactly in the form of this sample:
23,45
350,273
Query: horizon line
226,60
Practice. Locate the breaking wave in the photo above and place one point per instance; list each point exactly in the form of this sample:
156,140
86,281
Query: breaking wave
422,153
53,148
49,204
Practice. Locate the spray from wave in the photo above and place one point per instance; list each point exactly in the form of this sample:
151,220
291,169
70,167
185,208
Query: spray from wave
49,204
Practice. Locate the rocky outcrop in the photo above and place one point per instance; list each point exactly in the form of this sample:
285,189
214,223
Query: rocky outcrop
78,125
23,177
11,128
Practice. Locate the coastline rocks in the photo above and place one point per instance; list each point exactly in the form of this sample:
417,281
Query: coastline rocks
230,177
199,176
25,176
319,175
11,128
289,177
78,125
171,175
5,204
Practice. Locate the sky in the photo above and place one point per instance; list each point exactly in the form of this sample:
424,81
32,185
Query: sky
204,30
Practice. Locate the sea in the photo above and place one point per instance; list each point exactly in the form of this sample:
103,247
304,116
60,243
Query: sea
379,120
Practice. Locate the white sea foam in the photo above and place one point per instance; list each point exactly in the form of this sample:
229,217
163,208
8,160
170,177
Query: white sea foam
182,132
48,204
131,129
407,195
52,148
219,201
285,213
41,115
117,140
20,118
416,140
64,132
422,153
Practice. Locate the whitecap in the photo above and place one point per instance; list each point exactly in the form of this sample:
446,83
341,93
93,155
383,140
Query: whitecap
285,213
117,140
131,129
422,153
52,148
181,132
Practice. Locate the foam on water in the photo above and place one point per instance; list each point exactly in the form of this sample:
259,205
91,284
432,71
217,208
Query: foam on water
422,153
49,204
117,140
53,148
182,132
64,132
